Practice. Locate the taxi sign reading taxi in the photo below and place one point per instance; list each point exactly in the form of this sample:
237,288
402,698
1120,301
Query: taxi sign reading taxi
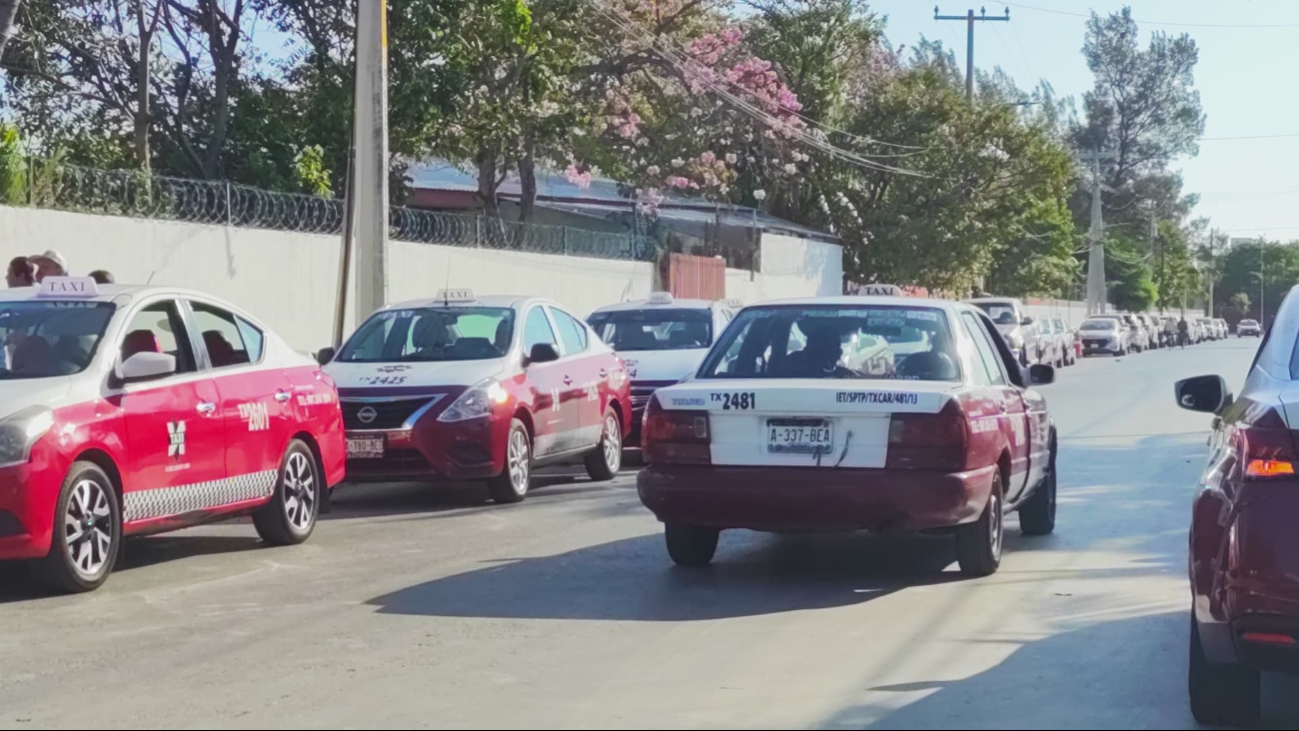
69,287
661,298
456,295
880,290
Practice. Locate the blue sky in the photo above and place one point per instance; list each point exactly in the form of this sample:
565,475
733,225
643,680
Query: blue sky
1245,77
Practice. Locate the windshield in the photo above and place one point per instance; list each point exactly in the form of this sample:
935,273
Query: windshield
46,339
432,334
1100,325
1002,313
657,329
886,342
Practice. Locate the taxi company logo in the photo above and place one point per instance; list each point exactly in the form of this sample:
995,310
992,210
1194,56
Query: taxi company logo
257,416
877,397
176,439
688,401
367,415
392,369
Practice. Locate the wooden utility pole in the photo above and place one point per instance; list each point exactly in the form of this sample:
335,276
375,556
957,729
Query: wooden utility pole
970,18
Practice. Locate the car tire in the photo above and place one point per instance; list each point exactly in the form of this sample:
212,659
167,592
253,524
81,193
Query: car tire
290,517
1221,695
511,486
691,545
81,562
603,463
979,544
1037,514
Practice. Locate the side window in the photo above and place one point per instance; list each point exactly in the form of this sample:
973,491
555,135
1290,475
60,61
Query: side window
981,371
570,331
987,354
159,328
221,337
536,330
254,339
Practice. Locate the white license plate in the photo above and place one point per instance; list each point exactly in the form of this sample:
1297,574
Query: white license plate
365,447
799,436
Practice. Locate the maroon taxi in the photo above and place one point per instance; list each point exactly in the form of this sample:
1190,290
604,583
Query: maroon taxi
460,387
853,413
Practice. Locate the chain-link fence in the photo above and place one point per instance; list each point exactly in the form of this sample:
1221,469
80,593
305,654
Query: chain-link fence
50,184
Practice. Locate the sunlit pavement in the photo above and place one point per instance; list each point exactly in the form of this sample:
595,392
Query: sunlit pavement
413,607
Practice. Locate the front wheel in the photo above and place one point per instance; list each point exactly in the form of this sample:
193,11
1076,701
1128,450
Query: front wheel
290,517
87,532
1037,515
1221,695
978,545
691,545
603,463
511,486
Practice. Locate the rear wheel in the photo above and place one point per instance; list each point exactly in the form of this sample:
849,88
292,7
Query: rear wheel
1221,695
691,545
511,486
978,545
87,532
603,463
290,517
1037,515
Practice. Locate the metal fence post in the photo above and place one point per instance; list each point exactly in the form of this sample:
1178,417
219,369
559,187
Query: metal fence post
229,214
478,232
563,239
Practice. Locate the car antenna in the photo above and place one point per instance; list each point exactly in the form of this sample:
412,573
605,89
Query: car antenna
446,291
149,281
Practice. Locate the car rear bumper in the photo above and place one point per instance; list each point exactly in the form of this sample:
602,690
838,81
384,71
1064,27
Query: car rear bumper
792,499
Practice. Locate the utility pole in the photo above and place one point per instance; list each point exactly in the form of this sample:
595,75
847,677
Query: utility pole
1213,256
1096,290
969,18
370,192
1150,209
1262,288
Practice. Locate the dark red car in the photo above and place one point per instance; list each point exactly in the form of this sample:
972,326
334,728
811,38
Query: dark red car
853,413
1244,545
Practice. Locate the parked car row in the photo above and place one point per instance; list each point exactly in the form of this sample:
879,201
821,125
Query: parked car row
1124,333
1047,340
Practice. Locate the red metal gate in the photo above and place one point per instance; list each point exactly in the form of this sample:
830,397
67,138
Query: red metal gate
696,277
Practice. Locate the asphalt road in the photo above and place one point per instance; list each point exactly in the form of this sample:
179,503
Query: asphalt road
419,608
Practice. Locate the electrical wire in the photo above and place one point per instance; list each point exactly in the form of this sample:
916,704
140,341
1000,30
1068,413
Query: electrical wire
1236,26
1249,137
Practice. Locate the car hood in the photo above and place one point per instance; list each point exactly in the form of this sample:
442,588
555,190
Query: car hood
662,365
407,375
17,395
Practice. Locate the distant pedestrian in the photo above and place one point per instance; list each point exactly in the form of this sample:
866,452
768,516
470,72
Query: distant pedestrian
102,276
21,272
49,264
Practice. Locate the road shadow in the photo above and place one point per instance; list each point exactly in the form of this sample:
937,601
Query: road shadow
1066,681
632,580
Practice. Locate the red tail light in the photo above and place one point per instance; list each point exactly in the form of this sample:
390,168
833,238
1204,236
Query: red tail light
675,437
1265,444
930,441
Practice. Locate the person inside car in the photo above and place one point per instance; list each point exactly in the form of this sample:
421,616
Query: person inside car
935,364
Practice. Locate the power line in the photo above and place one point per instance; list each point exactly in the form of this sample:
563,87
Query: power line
1237,26
1249,137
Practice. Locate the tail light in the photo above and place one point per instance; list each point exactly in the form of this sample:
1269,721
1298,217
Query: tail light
675,437
930,441
1264,444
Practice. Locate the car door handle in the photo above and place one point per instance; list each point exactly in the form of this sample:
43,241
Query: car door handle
206,408
604,372
283,396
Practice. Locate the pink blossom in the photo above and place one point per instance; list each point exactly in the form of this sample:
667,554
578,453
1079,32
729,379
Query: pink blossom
707,158
652,170
732,158
760,194
710,179
676,181
576,177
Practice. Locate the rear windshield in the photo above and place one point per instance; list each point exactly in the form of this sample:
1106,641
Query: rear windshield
46,339
885,342
1249,322
1099,325
1002,313
432,334
656,329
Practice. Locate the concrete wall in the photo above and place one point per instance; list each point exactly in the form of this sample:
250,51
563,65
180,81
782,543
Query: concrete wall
288,280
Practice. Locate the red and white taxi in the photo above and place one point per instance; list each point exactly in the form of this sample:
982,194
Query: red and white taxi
459,387
133,410
786,427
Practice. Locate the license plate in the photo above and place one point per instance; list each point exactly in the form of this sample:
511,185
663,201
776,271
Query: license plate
799,436
365,447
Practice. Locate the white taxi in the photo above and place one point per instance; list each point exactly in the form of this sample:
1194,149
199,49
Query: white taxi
460,387
661,339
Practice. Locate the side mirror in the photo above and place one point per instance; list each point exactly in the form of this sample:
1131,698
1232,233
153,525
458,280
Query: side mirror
146,367
543,353
1041,375
1027,320
325,355
1206,394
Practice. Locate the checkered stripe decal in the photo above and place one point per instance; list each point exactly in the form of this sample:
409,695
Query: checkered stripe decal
146,504
547,443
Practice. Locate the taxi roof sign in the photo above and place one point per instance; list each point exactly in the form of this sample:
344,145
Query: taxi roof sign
881,290
69,287
661,298
463,294
734,302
